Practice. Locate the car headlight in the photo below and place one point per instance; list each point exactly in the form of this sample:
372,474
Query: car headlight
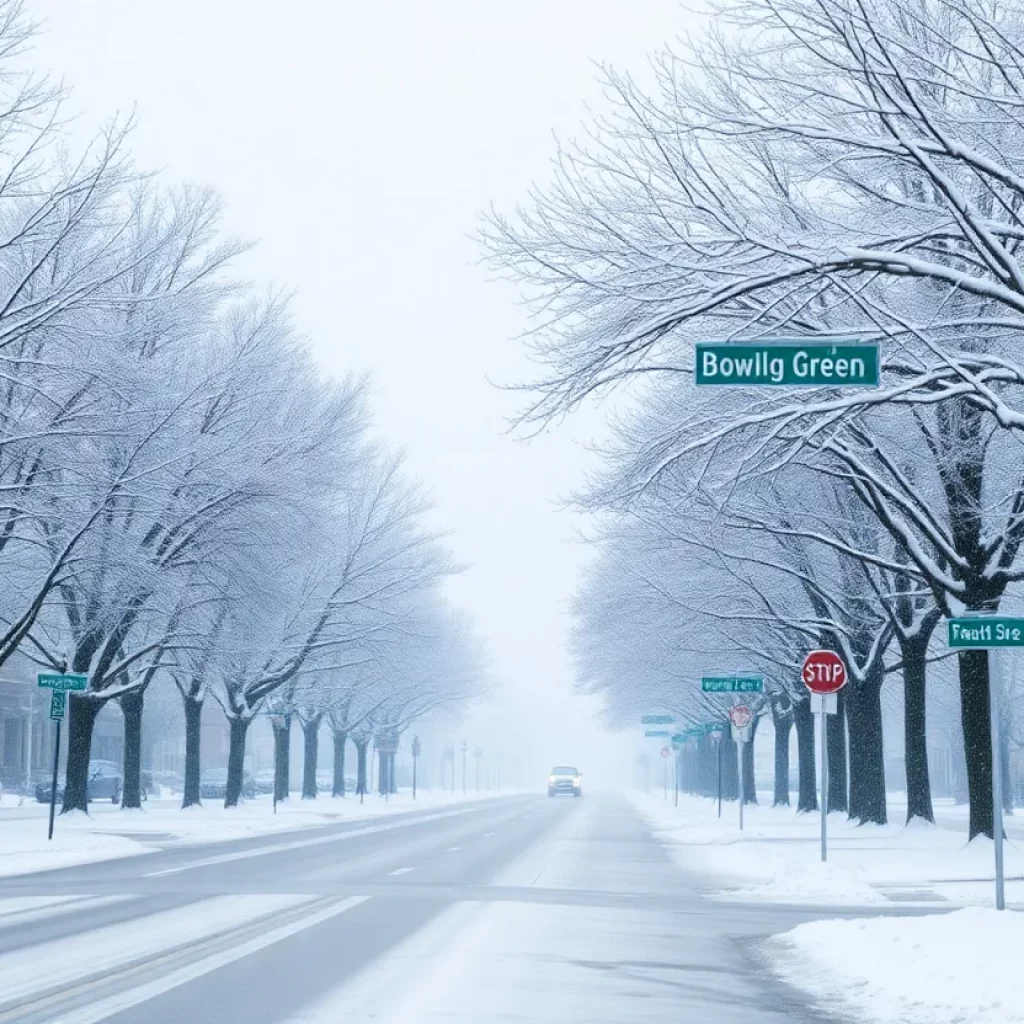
577,780
551,780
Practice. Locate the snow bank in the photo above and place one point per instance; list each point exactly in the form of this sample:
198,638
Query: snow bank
778,858
939,969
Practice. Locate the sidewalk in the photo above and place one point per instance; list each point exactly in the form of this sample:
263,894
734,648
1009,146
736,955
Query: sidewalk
893,969
777,857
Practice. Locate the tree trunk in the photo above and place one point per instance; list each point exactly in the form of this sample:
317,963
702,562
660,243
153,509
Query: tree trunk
131,784
807,791
730,770
310,755
282,728
783,727
339,762
749,782
392,782
193,760
382,774
837,781
361,787
867,757
915,739
974,718
238,728
82,712
958,767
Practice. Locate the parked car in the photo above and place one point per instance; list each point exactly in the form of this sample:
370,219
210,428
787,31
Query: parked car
105,783
263,780
213,784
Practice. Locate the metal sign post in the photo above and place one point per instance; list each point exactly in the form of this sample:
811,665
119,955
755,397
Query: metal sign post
823,718
720,745
987,633
994,682
415,758
741,716
59,683
824,674
58,709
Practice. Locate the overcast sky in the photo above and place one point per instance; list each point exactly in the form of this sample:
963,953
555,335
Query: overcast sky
357,142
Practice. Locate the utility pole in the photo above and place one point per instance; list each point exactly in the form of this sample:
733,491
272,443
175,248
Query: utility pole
465,748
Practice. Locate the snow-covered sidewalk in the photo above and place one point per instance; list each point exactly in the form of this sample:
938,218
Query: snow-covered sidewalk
945,969
109,832
777,856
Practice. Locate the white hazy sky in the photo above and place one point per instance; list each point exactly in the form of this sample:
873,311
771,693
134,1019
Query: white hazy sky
357,143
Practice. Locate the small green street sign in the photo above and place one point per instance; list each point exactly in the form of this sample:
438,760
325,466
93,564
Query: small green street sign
713,727
982,632
63,681
657,720
678,737
732,684
58,705
656,733
788,362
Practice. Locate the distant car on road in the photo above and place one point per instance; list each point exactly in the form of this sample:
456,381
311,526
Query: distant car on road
105,783
213,784
565,780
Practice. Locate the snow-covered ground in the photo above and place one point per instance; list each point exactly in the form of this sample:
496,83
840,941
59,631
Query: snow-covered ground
108,832
777,856
946,969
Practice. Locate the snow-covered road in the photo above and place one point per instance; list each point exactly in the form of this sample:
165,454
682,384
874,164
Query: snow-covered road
517,909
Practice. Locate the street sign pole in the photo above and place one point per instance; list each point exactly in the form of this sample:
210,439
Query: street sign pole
739,758
824,781
53,781
721,743
677,762
988,633
994,683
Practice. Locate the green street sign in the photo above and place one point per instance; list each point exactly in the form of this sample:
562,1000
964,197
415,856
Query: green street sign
678,737
656,732
982,632
65,681
58,705
732,684
712,727
788,362
657,720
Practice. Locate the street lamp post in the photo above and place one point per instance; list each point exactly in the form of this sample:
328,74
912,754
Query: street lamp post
415,757
465,748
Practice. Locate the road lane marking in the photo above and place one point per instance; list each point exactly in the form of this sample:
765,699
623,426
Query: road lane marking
104,1008
453,849
401,871
486,834
72,960
298,844
12,917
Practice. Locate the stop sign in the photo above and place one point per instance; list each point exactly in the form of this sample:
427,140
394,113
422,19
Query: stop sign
740,716
823,672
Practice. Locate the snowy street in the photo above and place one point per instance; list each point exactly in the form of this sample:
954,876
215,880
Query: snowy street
519,908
